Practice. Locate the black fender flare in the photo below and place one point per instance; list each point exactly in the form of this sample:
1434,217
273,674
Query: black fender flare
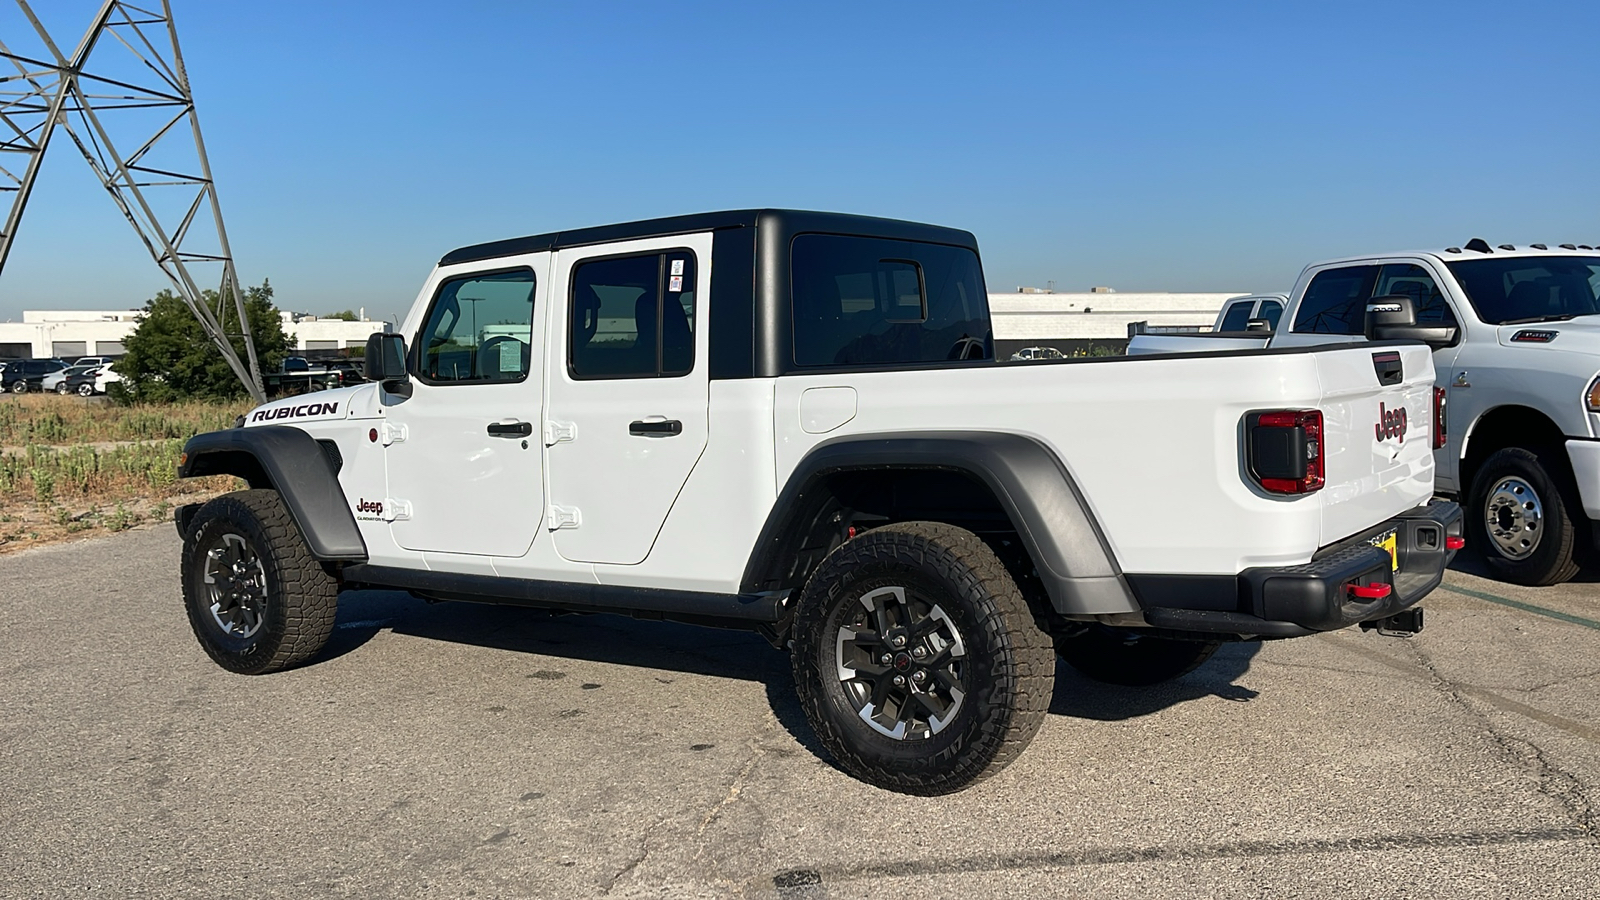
1069,551
289,461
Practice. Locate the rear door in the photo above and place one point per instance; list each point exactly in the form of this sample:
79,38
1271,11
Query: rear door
627,416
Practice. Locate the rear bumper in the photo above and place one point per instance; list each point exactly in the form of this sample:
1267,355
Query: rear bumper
1295,600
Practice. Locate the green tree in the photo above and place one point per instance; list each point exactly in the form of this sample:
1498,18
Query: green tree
170,357
343,315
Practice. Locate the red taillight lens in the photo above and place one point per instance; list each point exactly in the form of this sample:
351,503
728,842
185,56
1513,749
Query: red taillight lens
1286,455
1440,435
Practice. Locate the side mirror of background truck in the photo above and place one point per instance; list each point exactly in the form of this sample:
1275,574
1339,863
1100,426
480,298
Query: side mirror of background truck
1394,318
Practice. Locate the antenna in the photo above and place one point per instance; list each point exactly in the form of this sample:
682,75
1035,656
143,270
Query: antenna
163,186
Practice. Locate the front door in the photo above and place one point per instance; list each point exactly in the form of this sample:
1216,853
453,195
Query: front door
464,455
627,416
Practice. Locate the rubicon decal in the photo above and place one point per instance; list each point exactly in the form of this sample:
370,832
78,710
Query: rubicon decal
1391,423
294,412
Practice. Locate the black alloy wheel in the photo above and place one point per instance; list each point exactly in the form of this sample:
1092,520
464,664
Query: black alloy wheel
257,600
917,660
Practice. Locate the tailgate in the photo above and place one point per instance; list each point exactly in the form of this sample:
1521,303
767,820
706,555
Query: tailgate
1378,438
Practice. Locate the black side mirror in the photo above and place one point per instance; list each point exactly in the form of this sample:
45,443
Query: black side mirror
386,363
1258,326
1394,318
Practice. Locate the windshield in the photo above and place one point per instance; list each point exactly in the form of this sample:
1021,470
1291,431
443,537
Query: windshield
1530,288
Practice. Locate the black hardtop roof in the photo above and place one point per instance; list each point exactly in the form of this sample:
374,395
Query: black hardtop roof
784,220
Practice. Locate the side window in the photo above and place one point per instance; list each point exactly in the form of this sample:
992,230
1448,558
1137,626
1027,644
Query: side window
633,316
1336,301
479,330
1238,316
1272,311
866,301
1415,282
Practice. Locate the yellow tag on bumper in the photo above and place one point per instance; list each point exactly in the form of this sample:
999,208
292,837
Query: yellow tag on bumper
1386,542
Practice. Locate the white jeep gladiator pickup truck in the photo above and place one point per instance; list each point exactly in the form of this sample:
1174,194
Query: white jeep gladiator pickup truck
793,422
1515,334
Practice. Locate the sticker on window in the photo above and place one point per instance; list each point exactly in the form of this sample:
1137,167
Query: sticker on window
676,284
677,267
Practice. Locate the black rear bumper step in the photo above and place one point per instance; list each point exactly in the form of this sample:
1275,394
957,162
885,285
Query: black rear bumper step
1290,601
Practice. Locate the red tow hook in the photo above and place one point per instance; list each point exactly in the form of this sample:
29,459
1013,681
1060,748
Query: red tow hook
1451,542
1374,591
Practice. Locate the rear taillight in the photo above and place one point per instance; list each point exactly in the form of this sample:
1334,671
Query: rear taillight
1439,433
1285,449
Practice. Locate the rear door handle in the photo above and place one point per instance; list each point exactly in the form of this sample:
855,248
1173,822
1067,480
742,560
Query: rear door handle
663,428
511,429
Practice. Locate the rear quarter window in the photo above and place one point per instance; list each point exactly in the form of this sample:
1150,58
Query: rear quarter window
871,301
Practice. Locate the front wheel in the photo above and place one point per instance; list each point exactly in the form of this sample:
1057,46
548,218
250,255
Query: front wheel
1520,516
85,390
257,600
62,389
1131,658
19,387
917,659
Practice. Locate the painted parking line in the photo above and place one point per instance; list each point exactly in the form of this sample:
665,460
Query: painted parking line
1525,607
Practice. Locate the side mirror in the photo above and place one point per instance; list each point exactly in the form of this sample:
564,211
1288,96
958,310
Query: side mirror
386,363
1258,326
1394,318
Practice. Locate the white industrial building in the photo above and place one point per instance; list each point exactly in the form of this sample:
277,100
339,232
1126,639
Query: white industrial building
65,334
1075,322
1069,322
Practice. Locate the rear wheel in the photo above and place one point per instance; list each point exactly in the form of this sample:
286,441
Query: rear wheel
1129,657
20,386
86,390
1520,515
62,389
257,600
918,661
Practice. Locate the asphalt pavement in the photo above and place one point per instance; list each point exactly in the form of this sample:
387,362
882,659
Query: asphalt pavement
453,750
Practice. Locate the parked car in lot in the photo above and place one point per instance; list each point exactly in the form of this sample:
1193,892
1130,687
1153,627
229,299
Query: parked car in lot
80,382
56,381
1253,313
23,375
1032,353
1515,334
104,377
93,361
794,422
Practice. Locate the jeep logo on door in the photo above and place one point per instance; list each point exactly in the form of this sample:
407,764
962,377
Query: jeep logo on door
373,507
1391,423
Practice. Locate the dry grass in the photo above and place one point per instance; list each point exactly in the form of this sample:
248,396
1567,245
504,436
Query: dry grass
49,419
59,476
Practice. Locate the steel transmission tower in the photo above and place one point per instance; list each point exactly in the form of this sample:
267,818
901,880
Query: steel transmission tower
162,185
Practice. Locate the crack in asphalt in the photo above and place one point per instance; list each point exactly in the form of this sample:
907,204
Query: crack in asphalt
1553,781
634,863
756,752
1093,856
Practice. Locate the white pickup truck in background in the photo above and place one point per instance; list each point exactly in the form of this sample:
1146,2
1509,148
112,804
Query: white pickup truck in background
1516,338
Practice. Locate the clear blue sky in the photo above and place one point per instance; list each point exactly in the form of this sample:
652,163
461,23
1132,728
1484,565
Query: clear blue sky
1142,145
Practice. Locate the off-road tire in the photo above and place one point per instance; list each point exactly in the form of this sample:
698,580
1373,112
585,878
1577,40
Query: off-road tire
1007,669
1127,657
1552,559
300,596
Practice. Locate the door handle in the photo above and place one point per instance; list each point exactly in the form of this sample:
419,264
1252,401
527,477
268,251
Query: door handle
511,429
665,428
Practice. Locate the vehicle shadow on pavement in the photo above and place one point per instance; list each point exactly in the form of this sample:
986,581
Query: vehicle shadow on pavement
1082,698
597,637
1470,563
689,649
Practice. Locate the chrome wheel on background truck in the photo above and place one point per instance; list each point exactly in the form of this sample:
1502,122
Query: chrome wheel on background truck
1521,519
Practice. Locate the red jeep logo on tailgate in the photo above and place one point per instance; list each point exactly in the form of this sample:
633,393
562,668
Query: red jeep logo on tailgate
1391,423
